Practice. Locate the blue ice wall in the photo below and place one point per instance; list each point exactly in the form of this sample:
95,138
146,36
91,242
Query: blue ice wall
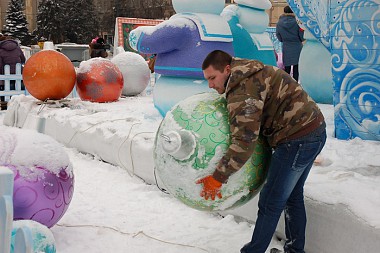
349,29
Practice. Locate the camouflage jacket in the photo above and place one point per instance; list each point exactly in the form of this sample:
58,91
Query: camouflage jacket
263,100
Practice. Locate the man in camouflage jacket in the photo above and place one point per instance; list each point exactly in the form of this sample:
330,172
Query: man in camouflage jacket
266,100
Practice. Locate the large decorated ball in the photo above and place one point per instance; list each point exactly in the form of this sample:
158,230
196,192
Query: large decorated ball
191,140
43,175
135,70
42,237
99,80
49,74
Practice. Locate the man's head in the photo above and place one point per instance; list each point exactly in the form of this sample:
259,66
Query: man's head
217,69
100,41
287,9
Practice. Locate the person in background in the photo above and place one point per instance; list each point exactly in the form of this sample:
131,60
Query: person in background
98,48
10,54
265,100
291,36
41,42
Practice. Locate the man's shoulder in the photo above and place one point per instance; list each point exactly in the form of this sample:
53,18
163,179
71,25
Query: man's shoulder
269,71
243,67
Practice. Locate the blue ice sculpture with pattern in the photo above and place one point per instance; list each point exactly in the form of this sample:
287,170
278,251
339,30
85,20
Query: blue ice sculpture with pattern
181,44
349,29
248,22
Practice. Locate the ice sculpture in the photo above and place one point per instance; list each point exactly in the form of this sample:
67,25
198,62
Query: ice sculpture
349,29
315,70
248,22
181,44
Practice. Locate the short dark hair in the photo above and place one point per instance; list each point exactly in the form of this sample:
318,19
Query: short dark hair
287,9
218,59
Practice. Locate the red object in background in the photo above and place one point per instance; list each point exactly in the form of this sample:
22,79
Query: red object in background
49,74
99,80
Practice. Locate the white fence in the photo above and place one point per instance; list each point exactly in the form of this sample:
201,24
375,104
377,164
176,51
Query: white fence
6,81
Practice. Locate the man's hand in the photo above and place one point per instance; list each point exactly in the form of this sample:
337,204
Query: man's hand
211,187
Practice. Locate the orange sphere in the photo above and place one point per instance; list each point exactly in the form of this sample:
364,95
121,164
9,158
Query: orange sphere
99,80
49,74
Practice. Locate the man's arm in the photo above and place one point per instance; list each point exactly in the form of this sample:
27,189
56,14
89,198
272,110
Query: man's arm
245,119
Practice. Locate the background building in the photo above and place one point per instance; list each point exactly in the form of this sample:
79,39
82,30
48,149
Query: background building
30,12
276,10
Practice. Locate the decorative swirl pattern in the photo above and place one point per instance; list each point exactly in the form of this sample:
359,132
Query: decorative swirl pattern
206,118
44,199
350,30
276,43
359,98
313,14
133,39
356,70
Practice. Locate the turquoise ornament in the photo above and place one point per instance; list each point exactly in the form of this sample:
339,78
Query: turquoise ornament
43,239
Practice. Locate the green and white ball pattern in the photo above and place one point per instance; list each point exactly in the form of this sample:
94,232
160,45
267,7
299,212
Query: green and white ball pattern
191,140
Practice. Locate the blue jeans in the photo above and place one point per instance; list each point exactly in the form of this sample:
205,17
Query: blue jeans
290,165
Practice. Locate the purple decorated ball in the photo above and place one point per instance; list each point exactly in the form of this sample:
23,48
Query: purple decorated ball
43,175
44,199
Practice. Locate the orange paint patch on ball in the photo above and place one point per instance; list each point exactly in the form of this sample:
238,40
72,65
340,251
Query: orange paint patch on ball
49,74
99,80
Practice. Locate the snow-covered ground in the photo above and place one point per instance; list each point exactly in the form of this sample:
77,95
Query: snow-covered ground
112,211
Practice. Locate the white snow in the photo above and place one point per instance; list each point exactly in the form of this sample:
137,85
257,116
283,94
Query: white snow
112,211
28,150
258,4
86,66
178,23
